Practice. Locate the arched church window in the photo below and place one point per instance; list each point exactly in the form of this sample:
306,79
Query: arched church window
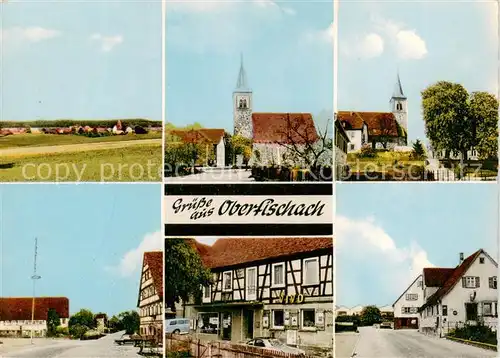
240,105
244,103
399,106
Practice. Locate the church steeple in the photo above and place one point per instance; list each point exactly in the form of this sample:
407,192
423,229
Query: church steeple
398,89
241,84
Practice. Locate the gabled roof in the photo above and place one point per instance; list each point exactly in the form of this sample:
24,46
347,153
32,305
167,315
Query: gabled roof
407,288
200,136
288,128
378,123
154,260
436,276
233,251
20,308
454,278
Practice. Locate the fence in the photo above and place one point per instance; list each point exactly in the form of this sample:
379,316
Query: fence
444,174
198,348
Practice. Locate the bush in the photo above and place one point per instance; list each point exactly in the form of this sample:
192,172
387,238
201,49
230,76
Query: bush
479,333
62,331
367,152
140,130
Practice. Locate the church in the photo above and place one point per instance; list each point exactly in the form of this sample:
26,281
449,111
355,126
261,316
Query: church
380,130
278,138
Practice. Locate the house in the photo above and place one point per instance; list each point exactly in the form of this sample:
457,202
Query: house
150,300
118,128
381,130
276,137
263,287
342,311
211,138
101,322
16,315
407,305
341,145
466,294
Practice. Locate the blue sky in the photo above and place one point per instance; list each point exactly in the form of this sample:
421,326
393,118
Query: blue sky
287,50
386,234
427,41
90,241
78,59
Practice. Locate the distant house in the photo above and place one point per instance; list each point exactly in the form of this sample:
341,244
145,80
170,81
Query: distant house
342,311
212,138
118,128
466,294
407,305
102,322
16,315
150,300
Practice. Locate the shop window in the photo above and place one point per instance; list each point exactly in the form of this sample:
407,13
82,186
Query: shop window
278,319
308,318
311,271
278,278
208,323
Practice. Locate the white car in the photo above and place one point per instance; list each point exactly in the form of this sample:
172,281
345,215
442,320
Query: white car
275,344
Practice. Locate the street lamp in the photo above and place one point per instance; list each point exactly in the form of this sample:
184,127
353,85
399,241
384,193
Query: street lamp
34,277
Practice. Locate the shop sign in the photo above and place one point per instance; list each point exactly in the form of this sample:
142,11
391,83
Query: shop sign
214,320
291,298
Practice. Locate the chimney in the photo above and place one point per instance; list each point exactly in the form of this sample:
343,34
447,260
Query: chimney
461,258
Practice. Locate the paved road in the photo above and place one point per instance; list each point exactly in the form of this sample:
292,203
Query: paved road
345,343
103,347
388,343
214,175
81,147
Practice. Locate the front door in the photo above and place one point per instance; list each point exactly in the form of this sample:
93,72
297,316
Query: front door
248,321
226,326
471,311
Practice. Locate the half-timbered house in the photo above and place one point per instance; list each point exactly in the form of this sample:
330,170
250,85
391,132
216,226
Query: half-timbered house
267,287
150,301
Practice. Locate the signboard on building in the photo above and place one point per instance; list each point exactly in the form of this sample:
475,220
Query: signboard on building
214,320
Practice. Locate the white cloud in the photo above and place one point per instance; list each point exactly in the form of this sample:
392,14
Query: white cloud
107,43
131,261
369,46
27,34
364,246
407,43
323,36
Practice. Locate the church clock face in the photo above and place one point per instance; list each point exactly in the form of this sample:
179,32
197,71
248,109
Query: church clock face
242,102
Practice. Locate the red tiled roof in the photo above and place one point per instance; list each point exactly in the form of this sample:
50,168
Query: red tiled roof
154,259
436,276
202,135
20,308
379,123
233,251
452,280
287,128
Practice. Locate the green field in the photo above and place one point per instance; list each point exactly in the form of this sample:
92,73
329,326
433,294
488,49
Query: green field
136,163
40,140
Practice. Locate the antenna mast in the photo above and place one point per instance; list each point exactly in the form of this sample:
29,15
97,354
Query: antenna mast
34,278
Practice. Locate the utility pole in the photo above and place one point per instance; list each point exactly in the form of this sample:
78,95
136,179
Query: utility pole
34,278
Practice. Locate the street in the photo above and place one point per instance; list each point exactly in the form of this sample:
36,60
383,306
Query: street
215,175
388,343
51,348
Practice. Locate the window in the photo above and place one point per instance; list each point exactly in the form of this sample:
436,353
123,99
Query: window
227,281
399,106
481,260
308,318
251,281
208,322
470,282
487,309
278,319
405,310
445,310
278,278
311,271
493,282
411,296
351,147
206,293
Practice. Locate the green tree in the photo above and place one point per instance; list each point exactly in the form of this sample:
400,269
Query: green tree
446,113
370,315
184,272
78,331
242,146
484,113
115,324
418,149
130,321
53,321
81,321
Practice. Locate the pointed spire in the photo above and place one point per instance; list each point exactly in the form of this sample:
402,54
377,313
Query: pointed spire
398,89
242,84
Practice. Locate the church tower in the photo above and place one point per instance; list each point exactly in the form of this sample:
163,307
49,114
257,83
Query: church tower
399,105
242,105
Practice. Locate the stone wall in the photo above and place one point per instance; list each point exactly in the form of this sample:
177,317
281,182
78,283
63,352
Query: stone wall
276,154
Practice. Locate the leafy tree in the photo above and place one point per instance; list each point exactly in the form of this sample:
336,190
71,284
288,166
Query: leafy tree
242,146
53,321
418,149
78,331
386,125
370,315
81,321
184,272
130,321
452,118
115,324
484,113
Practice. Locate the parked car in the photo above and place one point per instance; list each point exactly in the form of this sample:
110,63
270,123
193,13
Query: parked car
275,344
177,325
386,325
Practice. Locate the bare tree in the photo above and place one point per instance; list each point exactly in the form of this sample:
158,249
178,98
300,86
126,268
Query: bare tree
386,124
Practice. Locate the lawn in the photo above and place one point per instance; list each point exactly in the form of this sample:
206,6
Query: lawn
39,140
132,164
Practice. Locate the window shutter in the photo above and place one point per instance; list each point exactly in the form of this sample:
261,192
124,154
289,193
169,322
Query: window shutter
477,282
490,282
463,282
